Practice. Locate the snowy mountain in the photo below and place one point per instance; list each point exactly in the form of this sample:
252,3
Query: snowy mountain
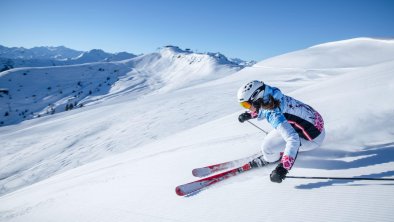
98,55
48,172
28,93
15,57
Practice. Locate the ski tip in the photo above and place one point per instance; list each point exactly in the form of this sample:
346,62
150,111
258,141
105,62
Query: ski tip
201,172
179,191
196,173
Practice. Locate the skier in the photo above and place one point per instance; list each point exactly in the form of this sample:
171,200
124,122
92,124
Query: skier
297,125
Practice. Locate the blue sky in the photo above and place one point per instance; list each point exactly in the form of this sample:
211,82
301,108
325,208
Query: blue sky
248,29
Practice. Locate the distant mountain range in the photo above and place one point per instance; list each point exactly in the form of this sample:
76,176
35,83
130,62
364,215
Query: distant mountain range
54,56
46,80
14,57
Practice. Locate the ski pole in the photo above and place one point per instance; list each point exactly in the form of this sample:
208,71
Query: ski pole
339,178
258,127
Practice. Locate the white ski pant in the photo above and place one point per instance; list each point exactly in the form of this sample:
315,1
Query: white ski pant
274,144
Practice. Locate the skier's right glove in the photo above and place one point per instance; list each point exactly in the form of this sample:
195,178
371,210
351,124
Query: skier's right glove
279,174
244,117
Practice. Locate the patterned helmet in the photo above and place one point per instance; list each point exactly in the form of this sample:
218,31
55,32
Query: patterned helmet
250,91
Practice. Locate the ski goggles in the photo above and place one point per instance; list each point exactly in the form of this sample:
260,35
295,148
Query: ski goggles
246,104
254,98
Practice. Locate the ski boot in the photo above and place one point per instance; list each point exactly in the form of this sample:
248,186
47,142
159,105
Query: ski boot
258,162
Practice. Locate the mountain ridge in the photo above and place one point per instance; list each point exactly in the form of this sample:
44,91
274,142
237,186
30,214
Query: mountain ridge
41,56
32,92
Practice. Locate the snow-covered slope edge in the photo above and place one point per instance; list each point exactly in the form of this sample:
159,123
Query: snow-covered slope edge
340,54
139,184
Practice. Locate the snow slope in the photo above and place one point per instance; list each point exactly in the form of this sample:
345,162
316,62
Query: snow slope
163,136
341,54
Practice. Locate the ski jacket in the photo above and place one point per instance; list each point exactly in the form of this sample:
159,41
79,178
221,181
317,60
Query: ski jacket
294,120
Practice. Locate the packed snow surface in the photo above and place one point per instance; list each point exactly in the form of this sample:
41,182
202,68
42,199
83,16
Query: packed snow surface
121,159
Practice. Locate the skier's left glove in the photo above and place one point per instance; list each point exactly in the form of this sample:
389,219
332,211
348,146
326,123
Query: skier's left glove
244,117
279,174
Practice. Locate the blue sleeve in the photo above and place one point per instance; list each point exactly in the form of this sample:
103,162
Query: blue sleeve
274,117
276,93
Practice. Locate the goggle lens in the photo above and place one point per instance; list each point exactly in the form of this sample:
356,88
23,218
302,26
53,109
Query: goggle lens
246,105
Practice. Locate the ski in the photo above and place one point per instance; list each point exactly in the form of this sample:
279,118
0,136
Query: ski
208,170
195,186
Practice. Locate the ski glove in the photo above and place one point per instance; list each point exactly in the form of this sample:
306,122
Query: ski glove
279,174
244,117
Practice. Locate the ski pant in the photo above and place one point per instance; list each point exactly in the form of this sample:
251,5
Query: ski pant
274,144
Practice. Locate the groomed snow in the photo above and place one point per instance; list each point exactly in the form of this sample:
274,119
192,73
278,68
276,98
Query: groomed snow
160,138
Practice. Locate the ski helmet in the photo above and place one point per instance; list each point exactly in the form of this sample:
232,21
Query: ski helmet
250,91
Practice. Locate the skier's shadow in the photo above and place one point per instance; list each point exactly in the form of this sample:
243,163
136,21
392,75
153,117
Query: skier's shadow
370,155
